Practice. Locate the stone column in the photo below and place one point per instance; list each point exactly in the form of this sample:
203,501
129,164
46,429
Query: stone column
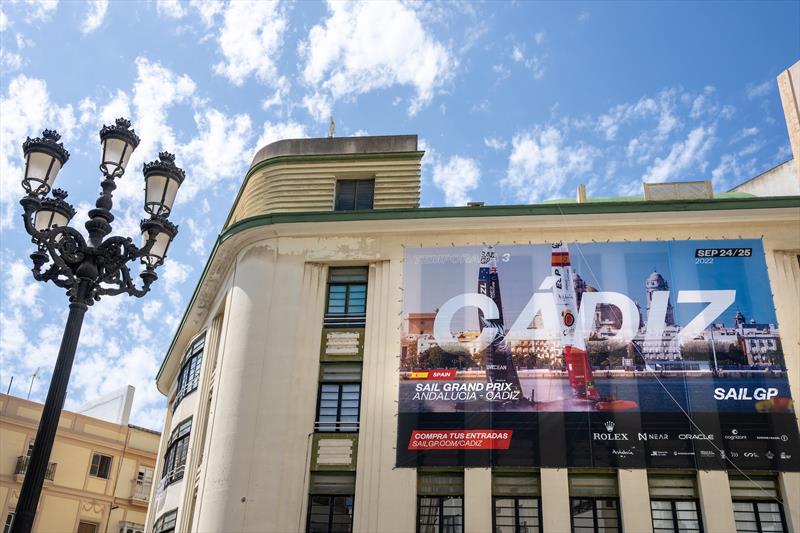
634,496
715,501
555,500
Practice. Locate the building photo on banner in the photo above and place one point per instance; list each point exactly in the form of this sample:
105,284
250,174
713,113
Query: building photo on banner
637,354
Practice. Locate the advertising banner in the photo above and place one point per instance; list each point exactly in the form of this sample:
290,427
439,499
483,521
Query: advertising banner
638,354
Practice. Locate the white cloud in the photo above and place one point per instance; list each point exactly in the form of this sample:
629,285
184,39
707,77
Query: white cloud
96,15
170,8
9,60
744,133
250,40
26,109
155,91
275,131
3,20
534,63
495,143
364,46
584,16
539,37
39,10
221,150
208,10
456,179
760,90
683,156
541,164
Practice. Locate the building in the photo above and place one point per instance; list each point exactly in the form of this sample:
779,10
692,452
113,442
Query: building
273,426
100,474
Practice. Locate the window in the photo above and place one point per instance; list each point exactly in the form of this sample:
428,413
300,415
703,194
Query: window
516,503
676,516
101,465
758,516
440,502
594,503
757,503
166,523
354,195
674,503
9,522
87,527
347,298
189,376
330,503
339,397
598,515
177,450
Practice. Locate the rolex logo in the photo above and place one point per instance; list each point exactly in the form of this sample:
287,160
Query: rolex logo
609,426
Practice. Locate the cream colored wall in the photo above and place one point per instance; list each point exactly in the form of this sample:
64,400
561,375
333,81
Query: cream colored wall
789,87
255,475
73,495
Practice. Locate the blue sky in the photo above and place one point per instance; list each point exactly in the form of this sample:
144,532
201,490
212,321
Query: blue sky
513,102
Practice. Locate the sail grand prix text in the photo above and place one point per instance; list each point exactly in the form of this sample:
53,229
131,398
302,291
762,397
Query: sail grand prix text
465,392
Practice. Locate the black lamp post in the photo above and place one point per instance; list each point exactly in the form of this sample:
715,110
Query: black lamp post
87,270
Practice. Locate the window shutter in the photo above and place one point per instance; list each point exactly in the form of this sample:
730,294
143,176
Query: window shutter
440,484
333,484
340,372
755,488
593,486
515,485
672,486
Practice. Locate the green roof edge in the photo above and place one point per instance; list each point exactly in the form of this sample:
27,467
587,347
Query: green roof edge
589,208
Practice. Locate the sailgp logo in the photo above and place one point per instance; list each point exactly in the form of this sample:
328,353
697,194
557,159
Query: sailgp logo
610,435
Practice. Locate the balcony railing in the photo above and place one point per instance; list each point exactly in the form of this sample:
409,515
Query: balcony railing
141,490
22,467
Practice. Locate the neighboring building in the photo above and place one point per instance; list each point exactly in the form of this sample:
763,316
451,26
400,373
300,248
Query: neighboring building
100,474
282,379
783,179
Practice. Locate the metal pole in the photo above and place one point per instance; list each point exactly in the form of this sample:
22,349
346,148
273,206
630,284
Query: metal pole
33,378
46,434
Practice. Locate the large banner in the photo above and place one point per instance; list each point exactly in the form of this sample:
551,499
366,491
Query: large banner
630,355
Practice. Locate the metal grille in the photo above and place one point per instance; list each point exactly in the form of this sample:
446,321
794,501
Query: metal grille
669,487
333,483
440,483
593,485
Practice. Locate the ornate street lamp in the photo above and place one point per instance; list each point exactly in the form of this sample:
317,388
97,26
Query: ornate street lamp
87,270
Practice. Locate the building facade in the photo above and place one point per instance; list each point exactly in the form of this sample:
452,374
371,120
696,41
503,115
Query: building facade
282,380
100,474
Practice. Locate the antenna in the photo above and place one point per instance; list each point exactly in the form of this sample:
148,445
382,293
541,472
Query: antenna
33,378
8,391
331,128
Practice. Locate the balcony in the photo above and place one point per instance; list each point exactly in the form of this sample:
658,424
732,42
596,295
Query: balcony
140,492
22,467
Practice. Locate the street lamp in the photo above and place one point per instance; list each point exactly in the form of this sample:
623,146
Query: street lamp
87,270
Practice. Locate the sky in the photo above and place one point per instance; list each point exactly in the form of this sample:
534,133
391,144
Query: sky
513,102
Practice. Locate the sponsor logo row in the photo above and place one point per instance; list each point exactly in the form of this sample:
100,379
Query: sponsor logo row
733,435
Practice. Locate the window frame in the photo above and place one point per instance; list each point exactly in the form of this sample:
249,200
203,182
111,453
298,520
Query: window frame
338,426
9,521
192,363
159,523
754,503
674,511
441,498
170,473
354,205
347,318
91,465
95,524
594,500
331,509
537,499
